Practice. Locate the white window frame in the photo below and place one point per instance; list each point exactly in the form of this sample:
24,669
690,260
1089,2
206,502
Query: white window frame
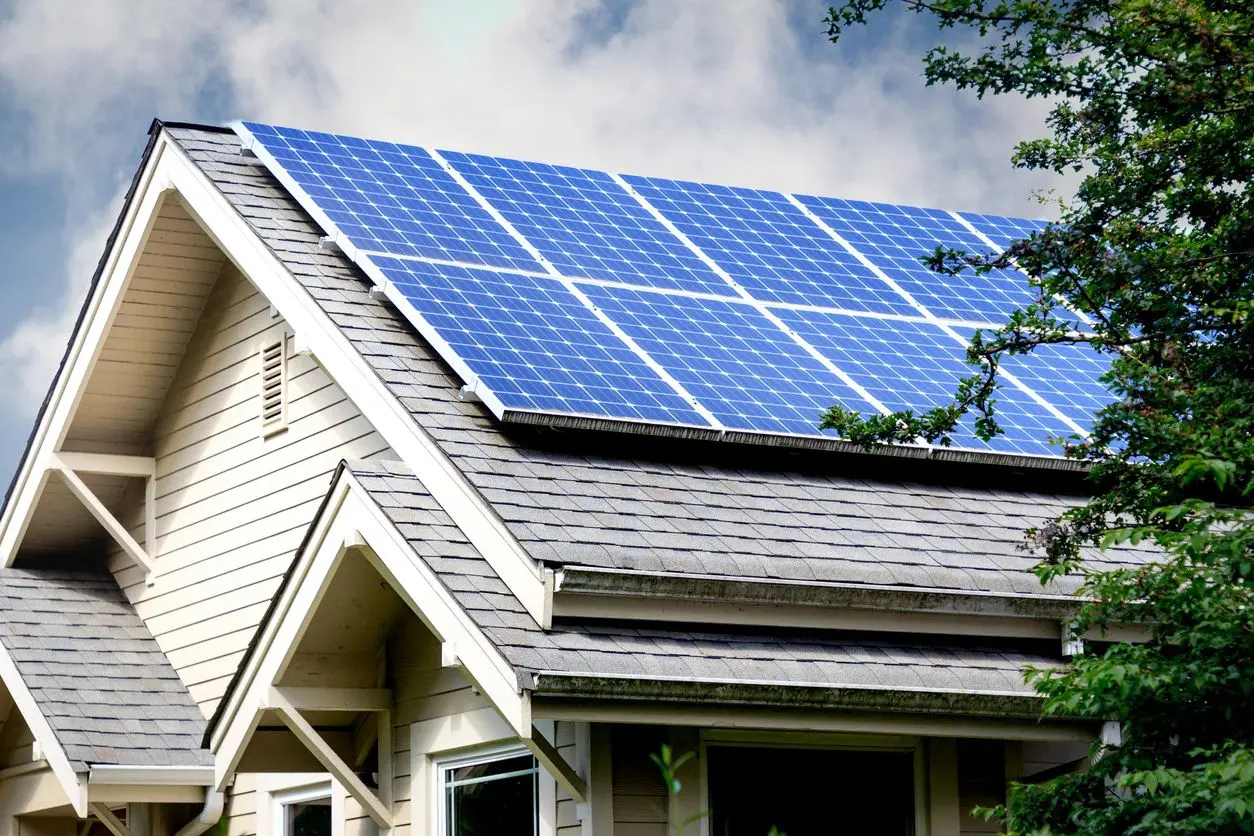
546,786
275,791
711,738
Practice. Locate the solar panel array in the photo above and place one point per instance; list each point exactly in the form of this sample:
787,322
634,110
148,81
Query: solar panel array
561,293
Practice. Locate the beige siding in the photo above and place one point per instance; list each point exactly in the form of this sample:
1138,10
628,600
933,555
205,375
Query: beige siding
981,783
16,740
241,806
567,821
423,691
231,507
640,802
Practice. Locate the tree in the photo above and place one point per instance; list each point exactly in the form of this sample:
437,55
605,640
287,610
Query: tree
1152,104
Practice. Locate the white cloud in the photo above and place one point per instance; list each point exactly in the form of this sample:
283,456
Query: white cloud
703,89
30,353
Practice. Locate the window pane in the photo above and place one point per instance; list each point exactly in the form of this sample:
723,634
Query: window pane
810,792
311,818
496,798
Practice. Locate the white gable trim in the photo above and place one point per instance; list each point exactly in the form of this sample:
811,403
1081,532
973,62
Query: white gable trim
168,170
74,784
351,520
86,342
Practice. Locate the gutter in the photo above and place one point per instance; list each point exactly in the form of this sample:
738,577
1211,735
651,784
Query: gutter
580,580
168,776
766,694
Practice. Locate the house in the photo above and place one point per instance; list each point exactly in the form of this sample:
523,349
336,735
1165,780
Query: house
284,558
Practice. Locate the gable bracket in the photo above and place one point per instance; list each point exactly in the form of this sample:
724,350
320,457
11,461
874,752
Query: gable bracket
557,766
278,702
69,465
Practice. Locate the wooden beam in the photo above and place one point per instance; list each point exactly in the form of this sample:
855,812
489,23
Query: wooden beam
113,465
330,761
102,514
111,822
557,766
338,699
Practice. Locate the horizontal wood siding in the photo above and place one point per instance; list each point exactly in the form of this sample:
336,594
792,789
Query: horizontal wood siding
568,823
640,801
232,508
981,783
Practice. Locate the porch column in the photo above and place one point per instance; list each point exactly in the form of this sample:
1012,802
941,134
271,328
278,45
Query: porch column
942,779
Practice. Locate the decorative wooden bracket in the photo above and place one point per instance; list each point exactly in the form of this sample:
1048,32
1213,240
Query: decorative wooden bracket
69,465
277,701
557,766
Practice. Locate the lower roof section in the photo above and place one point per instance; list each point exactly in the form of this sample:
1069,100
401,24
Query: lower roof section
94,671
786,667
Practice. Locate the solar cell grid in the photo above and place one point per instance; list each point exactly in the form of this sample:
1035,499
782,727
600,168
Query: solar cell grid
1068,376
916,366
769,246
586,224
534,344
390,198
896,238
1002,230
732,359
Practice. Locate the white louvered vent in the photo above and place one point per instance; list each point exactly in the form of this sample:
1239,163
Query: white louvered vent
273,387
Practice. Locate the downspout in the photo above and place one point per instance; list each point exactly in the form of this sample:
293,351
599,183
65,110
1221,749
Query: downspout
210,814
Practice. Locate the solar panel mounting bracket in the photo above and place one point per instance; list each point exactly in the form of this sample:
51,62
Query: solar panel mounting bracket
470,392
328,244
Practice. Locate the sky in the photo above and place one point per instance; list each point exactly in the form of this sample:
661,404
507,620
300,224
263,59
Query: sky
744,92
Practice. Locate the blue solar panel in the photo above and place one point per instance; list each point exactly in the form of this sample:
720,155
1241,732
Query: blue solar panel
770,247
916,365
895,238
586,224
530,344
534,344
1068,376
1002,230
739,366
390,198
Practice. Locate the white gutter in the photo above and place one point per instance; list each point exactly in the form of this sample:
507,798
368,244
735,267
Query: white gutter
151,776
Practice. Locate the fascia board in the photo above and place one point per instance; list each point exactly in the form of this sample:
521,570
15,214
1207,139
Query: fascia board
68,388
440,476
53,752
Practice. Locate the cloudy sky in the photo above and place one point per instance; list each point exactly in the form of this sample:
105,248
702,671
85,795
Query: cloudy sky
746,92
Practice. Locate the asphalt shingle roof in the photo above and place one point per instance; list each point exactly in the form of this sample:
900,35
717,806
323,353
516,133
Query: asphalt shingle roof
102,683
625,653
625,512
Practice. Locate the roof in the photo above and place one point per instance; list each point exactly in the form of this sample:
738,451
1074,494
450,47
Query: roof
590,659
731,513
97,674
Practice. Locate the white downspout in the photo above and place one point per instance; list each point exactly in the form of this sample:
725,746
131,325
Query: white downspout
210,814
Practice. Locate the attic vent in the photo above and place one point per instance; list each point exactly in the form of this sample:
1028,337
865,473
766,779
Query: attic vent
274,387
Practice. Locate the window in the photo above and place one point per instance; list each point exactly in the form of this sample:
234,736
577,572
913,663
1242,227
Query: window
273,387
810,792
307,818
304,810
494,794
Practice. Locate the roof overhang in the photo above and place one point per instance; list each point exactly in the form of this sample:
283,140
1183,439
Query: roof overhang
350,520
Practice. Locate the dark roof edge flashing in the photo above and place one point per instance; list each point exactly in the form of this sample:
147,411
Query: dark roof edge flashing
600,688
799,443
578,580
